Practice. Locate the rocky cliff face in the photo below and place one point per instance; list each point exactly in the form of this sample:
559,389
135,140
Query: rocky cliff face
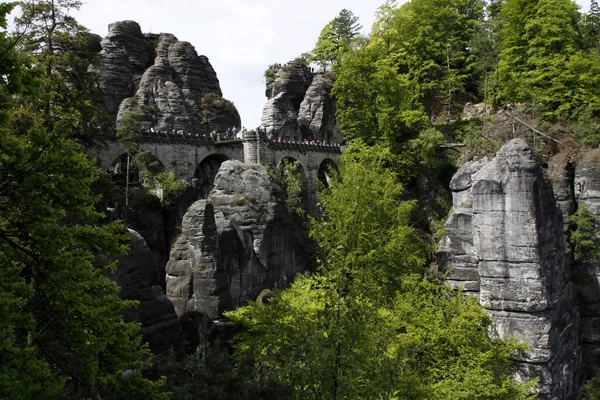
137,275
299,106
164,79
238,242
505,244
586,274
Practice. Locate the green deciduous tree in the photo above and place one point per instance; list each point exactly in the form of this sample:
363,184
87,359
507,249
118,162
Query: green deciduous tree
552,39
290,177
368,324
417,64
584,238
544,60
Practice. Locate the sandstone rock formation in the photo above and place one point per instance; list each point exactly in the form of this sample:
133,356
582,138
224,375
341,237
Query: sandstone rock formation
238,242
173,87
316,116
125,56
505,244
299,106
137,275
587,272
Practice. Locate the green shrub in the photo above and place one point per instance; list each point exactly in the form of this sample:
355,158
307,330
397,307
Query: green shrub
584,237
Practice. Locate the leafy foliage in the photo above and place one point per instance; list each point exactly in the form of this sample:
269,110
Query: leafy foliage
66,51
591,389
210,373
290,176
584,238
166,184
335,39
351,329
61,325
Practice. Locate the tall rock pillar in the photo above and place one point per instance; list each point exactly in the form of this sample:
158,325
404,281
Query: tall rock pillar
518,247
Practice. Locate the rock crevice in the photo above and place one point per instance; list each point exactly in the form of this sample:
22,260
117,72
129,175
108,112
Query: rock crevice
236,243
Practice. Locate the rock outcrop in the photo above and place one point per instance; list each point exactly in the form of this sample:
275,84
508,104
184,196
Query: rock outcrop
299,106
164,79
137,275
316,116
125,55
238,242
505,244
586,273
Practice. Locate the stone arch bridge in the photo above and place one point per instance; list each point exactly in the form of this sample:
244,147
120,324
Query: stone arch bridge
196,157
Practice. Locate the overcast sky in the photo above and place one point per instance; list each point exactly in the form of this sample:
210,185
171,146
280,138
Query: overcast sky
240,37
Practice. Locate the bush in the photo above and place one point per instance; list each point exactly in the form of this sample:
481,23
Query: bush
584,237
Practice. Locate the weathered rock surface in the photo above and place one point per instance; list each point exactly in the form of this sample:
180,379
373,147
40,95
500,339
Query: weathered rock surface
280,119
587,272
299,106
238,242
137,275
457,251
173,87
125,56
478,110
511,241
316,116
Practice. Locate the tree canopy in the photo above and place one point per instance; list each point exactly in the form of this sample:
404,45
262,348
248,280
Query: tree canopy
350,329
335,39
61,325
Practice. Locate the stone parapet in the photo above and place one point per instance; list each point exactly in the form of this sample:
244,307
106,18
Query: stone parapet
301,147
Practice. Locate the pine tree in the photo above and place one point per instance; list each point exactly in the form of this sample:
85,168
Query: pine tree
594,24
335,39
66,50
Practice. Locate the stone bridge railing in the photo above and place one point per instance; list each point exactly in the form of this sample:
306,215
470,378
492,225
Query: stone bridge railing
300,146
183,152
190,156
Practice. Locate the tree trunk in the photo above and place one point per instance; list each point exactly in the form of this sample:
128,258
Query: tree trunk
126,190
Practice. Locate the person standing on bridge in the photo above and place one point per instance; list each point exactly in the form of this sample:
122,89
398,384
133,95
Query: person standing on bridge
233,133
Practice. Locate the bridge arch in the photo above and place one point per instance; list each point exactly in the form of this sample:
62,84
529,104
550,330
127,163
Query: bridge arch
206,171
144,162
119,167
286,166
328,169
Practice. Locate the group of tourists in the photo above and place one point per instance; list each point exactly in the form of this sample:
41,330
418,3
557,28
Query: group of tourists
229,134
305,141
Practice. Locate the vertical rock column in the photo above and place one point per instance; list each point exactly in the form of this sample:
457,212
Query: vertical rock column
518,238
196,279
586,274
456,252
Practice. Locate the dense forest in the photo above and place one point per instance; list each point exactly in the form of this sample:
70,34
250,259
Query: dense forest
373,319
